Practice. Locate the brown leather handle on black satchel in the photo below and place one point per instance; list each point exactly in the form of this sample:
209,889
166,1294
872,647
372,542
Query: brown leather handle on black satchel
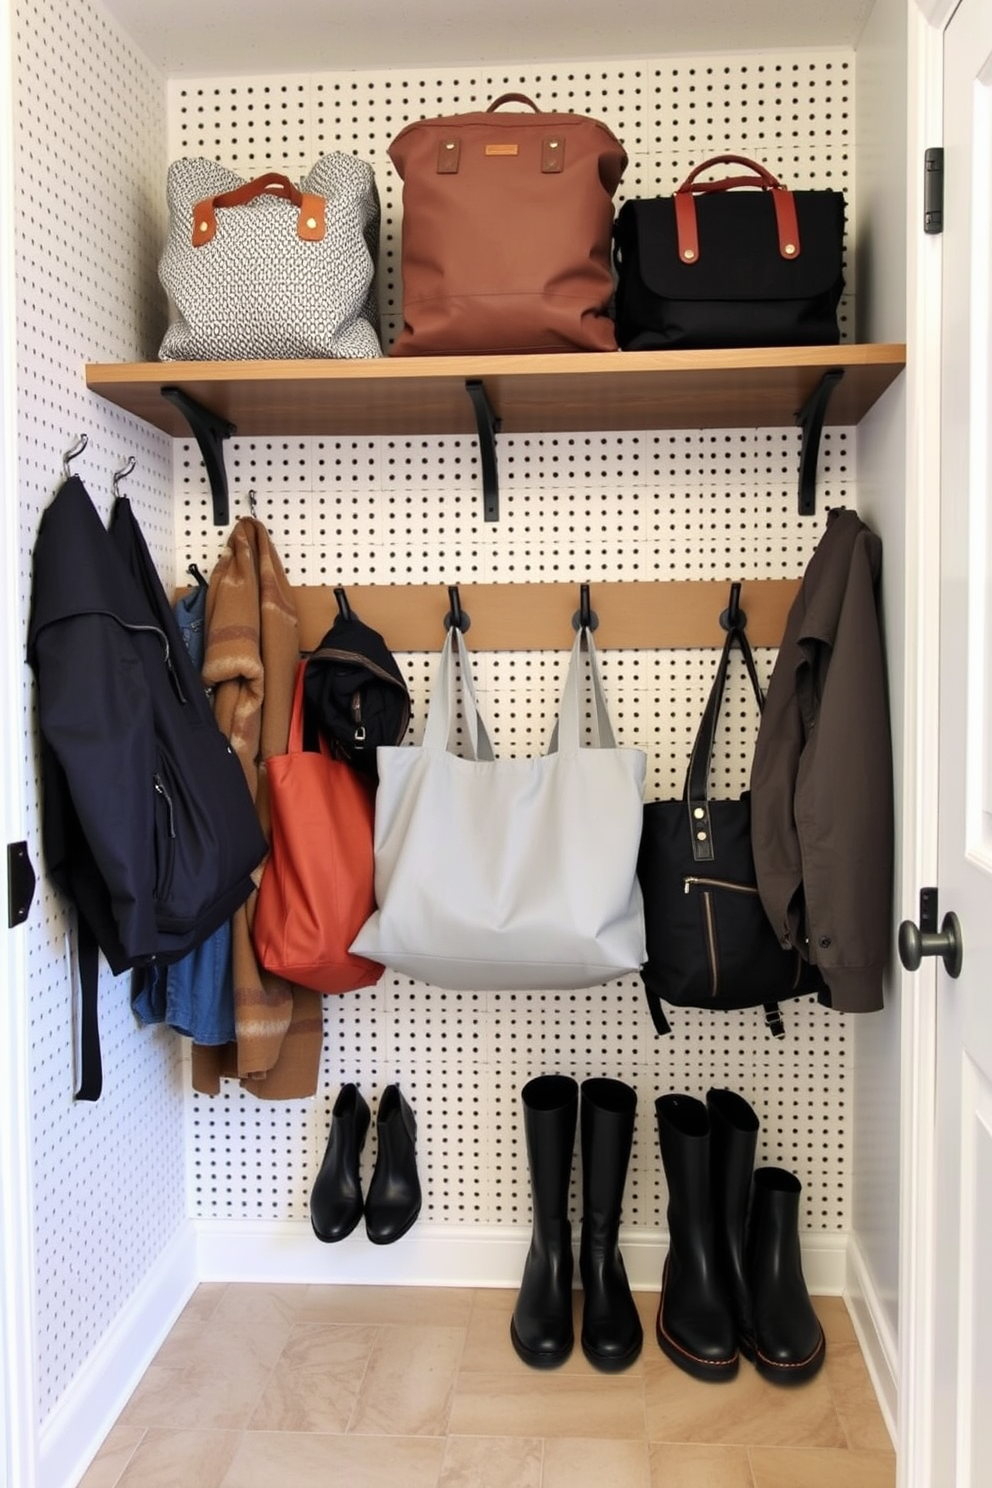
309,224
685,205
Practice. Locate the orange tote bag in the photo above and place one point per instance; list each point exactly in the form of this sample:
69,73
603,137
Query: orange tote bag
317,886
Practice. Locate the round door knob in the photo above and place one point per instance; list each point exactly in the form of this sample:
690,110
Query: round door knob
915,943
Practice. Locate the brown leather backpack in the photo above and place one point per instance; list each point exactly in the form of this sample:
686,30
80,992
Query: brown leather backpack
507,220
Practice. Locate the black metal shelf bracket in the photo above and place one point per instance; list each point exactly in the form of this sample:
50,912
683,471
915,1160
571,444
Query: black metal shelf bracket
209,430
20,883
810,419
489,426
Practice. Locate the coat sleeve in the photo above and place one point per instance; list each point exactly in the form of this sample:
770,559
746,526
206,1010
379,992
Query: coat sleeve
95,716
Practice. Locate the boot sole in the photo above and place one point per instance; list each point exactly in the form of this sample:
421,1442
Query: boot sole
612,1363
788,1374
538,1360
703,1369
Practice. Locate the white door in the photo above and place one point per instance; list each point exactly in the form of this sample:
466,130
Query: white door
963,1259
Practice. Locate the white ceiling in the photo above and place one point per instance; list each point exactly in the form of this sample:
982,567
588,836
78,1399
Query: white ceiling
217,37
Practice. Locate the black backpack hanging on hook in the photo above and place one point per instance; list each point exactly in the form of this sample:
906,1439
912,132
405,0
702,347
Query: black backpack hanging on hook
354,692
709,941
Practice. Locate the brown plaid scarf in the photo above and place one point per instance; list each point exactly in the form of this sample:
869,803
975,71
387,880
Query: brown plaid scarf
252,650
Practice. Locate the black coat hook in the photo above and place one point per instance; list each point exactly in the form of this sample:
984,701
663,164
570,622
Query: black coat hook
456,616
344,608
585,618
195,573
733,617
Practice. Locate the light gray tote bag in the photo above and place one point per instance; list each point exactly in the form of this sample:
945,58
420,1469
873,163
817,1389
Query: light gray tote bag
513,874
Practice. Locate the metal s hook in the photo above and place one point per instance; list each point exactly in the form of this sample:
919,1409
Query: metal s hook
119,475
733,617
344,608
195,573
456,616
252,502
585,618
72,452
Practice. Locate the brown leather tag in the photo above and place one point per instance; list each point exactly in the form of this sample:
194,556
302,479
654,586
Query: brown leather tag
505,149
311,224
448,152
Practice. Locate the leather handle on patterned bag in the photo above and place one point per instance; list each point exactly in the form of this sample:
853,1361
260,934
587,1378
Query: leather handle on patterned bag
685,205
310,222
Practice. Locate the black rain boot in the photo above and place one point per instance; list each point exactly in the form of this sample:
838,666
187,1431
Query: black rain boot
789,1346
393,1200
733,1143
541,1328
336,1196
611,1328
695,1325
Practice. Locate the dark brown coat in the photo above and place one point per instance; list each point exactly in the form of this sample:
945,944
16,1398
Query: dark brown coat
821,781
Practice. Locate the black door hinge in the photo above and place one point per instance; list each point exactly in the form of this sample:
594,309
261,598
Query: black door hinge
933,190
20,883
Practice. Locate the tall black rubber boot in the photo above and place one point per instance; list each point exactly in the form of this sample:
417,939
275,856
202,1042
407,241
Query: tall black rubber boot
733,1143
695,1327
789,1346
541,1328
611,1328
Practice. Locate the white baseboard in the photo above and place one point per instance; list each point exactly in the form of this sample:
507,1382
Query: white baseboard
77,1426
878,1342
439,1255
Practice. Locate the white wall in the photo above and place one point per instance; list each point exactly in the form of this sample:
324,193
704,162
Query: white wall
108,1196
881,267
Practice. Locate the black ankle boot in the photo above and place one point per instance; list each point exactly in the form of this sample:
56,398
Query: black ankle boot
611,1327
733,1142
695,1321
336,1196
393,1200
541,1328
789,1346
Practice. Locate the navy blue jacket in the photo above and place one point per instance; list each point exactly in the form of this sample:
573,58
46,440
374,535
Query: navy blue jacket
148,823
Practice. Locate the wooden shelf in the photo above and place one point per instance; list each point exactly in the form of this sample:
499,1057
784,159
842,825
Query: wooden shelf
528,394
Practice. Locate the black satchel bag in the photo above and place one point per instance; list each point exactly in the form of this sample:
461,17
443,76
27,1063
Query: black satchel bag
709,942
713,266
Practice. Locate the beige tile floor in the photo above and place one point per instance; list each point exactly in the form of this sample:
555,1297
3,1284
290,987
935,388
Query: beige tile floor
384,1387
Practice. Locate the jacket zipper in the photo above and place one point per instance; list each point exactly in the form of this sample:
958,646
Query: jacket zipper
160,788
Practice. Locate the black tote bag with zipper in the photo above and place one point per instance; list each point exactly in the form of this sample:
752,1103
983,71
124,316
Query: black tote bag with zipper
709,941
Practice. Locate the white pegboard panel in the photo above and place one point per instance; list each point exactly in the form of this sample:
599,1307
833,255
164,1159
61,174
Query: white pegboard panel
109,1192
591,507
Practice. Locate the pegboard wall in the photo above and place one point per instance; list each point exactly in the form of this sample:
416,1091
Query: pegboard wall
109,1189
590,507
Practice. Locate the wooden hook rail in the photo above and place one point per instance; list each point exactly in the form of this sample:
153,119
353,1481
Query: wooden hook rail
538,617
